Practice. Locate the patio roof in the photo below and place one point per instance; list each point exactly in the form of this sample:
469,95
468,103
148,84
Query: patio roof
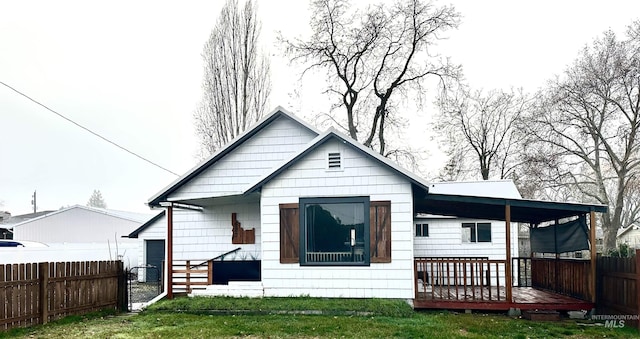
522,210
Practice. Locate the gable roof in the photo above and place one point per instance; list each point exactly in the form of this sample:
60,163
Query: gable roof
144,226
235,143
622,231
131,216
332,134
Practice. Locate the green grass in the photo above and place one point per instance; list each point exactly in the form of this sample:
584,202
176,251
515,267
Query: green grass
188,318
325,306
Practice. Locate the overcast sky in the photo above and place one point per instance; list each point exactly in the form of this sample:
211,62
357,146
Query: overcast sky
131,71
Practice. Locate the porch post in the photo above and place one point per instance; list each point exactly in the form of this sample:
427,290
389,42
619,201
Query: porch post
507,265
170,252
592,250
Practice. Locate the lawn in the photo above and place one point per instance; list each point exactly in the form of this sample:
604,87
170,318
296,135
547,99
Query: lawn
307,318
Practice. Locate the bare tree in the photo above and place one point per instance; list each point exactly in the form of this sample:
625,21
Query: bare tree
373,59
484,127
236,83
96,200
590,118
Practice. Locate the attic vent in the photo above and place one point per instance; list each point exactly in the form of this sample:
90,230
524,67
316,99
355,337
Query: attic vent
334,160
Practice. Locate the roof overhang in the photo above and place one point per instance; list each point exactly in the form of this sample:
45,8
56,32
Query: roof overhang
522,210
144,226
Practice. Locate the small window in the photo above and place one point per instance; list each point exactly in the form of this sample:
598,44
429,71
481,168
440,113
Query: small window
334,160
422,230
476,232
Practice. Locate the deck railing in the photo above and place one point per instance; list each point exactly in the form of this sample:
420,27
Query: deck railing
521,268
565,276
190,274
469,279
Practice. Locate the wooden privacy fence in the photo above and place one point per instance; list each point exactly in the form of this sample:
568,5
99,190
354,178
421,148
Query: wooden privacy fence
37,293
565,276
618,286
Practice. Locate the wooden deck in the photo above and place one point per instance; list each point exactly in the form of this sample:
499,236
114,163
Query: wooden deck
524,298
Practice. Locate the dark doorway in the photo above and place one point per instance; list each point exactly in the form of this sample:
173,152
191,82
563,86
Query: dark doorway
155,256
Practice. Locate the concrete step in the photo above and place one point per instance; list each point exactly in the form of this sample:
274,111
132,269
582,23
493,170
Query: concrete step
251,289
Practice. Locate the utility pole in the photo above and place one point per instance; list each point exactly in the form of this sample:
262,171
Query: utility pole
33,201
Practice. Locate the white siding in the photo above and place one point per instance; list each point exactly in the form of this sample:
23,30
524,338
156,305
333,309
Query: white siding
445,240
155,231
630,237
207,234
251,160
76,225
361,176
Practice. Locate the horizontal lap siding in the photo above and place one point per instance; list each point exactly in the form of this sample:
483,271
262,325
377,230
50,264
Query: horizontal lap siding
361,177
251,160
445,240
207,234
155,231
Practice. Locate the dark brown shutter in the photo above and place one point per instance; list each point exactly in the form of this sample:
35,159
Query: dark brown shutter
289,233
380,231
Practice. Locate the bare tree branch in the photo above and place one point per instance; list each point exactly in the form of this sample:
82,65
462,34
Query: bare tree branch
371,55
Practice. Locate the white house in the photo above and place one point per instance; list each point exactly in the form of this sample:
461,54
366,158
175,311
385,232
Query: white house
328,217
629,236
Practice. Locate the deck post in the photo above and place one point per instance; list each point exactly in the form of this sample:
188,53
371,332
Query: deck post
507,264
170,252
592,251
556,281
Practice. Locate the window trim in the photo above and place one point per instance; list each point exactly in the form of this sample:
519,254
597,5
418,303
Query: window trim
334,200
422,228
474,232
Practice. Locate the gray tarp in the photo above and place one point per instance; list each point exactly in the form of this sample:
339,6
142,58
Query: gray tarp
571,236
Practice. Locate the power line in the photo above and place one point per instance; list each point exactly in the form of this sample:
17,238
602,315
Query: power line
88,130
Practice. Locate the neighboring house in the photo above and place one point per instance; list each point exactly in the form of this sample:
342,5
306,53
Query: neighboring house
5,233
630,236
7,222
80,224
81,231
329,217
4,216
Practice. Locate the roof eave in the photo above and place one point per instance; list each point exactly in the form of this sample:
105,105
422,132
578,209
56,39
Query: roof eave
144,226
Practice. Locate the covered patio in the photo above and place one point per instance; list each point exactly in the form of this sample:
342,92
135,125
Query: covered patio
532,282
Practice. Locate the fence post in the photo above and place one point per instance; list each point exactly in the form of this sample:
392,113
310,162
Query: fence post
123,303
44,292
